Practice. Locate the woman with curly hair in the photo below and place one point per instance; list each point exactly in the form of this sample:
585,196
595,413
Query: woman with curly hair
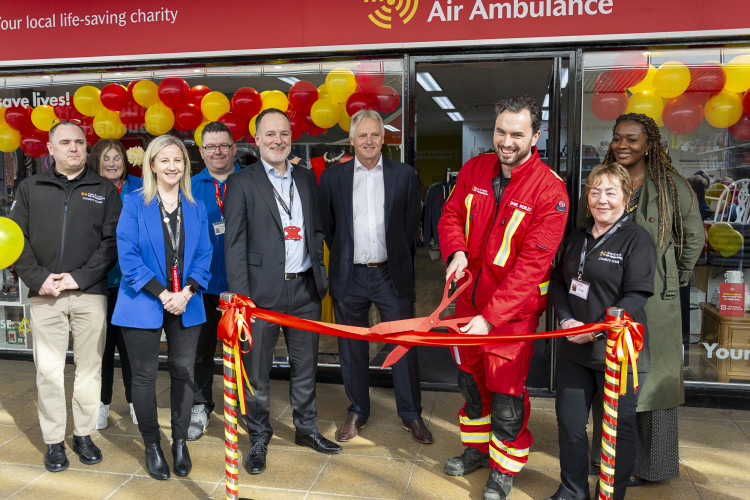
665,205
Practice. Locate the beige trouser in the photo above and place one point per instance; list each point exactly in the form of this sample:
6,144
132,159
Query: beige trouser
51,320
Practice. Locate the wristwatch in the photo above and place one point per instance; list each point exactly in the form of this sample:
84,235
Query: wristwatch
190,289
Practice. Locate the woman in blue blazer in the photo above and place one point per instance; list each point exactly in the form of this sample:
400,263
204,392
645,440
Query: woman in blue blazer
164,252
108,159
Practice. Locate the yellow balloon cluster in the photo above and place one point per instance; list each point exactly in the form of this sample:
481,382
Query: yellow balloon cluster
725,239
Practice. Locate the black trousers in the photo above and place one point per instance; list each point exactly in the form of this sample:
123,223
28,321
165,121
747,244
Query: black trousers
143,346
205,352
576,386
299,298
114,339
373,285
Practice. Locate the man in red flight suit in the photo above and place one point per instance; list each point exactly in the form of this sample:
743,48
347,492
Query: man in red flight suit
503,222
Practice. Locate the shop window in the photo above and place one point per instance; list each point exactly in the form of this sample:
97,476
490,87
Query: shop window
700,100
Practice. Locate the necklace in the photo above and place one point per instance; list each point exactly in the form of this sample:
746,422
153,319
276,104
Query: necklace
332,160
636,179
168,203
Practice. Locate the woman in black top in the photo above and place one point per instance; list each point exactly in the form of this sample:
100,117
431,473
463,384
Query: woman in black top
608,262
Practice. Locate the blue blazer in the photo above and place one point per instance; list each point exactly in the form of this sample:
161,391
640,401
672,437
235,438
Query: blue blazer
141,253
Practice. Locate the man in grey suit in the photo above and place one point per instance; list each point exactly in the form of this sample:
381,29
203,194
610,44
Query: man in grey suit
371,211
274,255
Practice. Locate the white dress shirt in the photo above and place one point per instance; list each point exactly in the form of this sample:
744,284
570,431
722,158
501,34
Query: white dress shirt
368,202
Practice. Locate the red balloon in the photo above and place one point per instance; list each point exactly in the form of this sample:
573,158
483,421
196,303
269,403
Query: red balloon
628,69
683,114
34,142
235,123
386,100
313,129
359,100
246,102
741,129
249,137
67,112
87,124
188,117
196,94
133,117
607,106
746,102
706,80
114,97
19,117
173,91
303,95
298,122
369,77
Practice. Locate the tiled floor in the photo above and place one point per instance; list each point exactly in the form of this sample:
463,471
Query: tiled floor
384,462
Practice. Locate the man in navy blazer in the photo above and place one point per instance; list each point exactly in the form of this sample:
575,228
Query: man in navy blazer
274,255
371,209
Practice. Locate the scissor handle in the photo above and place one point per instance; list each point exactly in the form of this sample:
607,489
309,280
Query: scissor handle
447,296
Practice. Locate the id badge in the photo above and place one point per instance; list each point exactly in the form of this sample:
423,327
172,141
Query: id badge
292,233
218,227
579,288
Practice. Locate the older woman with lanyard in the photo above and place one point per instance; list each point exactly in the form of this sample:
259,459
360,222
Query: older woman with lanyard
165,253
608,262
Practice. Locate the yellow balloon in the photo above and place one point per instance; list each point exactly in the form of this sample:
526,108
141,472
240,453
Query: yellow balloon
2,116
734,244
647,84
325,113
11,242
199,131
724,109
274,99
10,138
671,79
42,117
719,235
340,84
107,124
345,120
738,74
159,119
647,103
251,126
323,92
87,100
214,104
146,93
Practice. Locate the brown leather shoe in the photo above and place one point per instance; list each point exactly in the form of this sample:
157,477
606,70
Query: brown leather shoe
351,428
419,432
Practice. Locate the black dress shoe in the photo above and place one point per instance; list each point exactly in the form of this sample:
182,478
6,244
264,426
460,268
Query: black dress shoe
182,463
317,442
419,431
156,463
85,447
256,458
55,459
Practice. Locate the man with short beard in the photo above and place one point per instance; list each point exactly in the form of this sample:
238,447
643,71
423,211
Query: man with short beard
503,223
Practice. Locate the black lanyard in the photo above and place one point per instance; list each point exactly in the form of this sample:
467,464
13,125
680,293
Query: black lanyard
288,209
598,244
165,217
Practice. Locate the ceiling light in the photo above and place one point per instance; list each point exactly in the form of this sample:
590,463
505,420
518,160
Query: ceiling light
564,78
444,102
545,115
428,82
289,79
456,116
390,127
546,101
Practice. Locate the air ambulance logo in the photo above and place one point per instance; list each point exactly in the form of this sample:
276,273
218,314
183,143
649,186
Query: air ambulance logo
386,9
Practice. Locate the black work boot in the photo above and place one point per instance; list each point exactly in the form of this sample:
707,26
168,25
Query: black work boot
498,486
469,461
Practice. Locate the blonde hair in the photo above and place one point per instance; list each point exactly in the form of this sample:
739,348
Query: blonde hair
612,171
149,177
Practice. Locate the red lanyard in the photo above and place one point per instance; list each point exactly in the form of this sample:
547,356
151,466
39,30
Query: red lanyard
119,187
220,198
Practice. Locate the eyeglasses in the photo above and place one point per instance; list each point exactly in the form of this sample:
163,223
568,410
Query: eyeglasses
58,121
212,147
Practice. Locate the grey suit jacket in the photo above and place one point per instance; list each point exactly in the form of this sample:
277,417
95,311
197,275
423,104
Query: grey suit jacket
254,238
401,212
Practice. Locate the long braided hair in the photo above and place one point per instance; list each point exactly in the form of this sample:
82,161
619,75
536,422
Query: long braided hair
659,167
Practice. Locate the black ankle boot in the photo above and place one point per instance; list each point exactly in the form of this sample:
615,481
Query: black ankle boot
156,463
182,462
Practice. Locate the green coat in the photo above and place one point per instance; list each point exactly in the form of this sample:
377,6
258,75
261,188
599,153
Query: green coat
664,385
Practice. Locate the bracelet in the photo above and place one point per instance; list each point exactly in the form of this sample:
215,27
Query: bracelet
592,337
563,321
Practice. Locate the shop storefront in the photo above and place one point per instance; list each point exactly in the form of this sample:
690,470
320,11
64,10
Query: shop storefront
434,70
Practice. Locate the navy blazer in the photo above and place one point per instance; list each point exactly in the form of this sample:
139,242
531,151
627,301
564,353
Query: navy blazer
141,253
402,211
